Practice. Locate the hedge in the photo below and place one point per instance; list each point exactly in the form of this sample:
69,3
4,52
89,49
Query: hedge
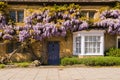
92,61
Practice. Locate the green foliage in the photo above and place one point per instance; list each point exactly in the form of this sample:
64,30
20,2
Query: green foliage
103,9
3,7
70,61
65,7
113,52
22,64
93,61
117,6
2,65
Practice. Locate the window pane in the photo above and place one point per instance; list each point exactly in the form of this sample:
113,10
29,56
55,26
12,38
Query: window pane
90,38
98,44
86,38
76,50
91,14
84,13
92,44
98,50
94,38
118,43
20,15
13,15
78,44
98,38
9,48
86,50
94,50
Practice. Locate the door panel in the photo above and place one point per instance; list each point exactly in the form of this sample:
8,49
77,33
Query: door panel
53,53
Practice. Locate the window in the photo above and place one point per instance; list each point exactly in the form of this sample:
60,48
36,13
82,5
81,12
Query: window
9,48
88,13
17,16
78,44
92,44
118,41
13,15
88,43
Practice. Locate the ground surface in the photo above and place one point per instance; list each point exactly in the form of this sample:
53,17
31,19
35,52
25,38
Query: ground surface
60,74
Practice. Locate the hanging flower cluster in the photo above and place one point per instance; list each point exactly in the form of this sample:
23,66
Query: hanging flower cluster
110,20
6,31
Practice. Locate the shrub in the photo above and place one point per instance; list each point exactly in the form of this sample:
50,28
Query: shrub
113,52
2,65
22,64
101,61
93,61
69,61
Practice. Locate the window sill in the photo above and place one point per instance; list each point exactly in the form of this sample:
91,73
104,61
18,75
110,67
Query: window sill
20,23
88,54
91,54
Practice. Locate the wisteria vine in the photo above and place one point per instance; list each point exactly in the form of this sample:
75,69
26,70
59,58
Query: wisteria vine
110,19
39,26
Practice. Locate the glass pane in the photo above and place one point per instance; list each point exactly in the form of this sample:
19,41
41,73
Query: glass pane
94,50
98,44
90,50
98,50
84,13
90,44
13,15
79,50
10,47
91,14
86,50
90,38
76,50
78,44
93,44
118,43
94,38
20,15
86,44
86,38
98,38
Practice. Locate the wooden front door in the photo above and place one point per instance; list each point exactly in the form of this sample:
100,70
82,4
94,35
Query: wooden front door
53,53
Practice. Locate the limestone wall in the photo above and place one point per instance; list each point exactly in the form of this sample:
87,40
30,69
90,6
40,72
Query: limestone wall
110,41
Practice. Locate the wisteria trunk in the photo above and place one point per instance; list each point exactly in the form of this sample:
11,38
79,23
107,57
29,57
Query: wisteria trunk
30,49
6,59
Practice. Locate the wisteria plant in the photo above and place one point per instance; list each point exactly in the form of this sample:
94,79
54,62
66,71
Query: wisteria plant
40,26
110,19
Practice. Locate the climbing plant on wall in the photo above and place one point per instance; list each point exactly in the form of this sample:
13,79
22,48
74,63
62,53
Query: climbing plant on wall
49,22
110,19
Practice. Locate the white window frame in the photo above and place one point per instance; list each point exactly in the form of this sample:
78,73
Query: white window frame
118,37
88,33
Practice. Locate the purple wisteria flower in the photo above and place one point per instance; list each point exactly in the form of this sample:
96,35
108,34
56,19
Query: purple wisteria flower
7,37
23,35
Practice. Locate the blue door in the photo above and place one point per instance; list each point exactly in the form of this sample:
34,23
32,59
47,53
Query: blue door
53,53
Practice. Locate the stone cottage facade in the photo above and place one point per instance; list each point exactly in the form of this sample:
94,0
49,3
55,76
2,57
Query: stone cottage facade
81,43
